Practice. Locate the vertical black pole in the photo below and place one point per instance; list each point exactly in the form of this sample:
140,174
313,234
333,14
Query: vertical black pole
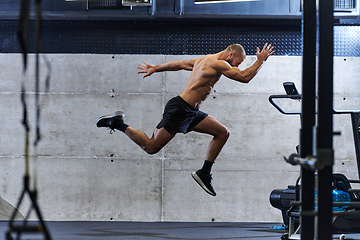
308,115
325,120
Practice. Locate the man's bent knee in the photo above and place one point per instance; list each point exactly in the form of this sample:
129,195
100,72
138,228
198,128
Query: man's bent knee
152,150
225,134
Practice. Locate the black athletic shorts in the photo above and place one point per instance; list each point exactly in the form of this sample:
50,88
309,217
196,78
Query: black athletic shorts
179,116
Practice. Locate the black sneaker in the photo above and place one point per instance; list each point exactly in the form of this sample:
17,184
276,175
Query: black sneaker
204,181
111,120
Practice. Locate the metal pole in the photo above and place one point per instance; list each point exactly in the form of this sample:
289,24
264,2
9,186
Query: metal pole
308,115
325,120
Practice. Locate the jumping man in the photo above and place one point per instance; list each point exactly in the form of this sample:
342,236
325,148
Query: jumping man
182,113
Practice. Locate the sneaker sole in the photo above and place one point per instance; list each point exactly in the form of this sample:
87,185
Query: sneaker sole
198,180
115,114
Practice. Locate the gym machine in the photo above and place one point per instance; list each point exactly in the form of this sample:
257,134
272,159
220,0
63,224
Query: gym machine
346,200
316,133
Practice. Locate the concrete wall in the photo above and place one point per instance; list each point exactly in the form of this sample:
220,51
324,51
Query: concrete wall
85,173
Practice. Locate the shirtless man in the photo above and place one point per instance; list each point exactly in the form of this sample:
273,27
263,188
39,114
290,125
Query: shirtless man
182,113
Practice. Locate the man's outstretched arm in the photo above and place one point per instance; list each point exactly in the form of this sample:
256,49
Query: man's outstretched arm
168,66
246,75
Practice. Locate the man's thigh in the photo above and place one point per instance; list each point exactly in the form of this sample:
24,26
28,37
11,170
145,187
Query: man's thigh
210,126
161,137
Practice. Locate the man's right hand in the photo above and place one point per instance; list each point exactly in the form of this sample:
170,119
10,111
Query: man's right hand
146,68
265,52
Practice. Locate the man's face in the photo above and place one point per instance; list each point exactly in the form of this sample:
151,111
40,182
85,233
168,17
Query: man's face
235,61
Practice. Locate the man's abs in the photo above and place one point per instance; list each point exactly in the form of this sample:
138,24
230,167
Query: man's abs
195,96
196,91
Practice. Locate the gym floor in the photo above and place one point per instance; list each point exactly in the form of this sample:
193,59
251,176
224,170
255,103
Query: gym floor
153,230
158,230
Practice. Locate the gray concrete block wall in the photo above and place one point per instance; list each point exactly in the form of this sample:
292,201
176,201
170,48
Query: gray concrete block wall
86,173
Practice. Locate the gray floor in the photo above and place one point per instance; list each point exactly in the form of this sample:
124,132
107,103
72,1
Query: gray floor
158,230
154,230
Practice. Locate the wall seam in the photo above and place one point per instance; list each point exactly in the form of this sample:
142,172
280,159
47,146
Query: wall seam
163,150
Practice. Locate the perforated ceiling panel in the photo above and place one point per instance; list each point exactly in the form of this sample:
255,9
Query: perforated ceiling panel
172,37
